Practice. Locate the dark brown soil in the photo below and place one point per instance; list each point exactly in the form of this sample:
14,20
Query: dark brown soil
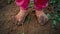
33,27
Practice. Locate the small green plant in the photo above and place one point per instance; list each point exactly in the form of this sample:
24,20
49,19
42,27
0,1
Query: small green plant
31,3
22,33
28,18
56,12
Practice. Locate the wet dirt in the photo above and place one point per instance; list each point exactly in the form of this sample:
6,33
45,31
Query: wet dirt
33,27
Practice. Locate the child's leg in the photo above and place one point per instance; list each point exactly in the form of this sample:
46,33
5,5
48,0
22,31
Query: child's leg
23,4
39,5
41,17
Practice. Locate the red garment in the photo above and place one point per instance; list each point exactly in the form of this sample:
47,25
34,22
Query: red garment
38,4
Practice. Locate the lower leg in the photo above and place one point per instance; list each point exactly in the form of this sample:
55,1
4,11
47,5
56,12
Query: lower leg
39,5
41,17
21,15
23,4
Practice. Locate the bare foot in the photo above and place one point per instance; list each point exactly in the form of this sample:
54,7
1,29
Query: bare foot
21,16
41,17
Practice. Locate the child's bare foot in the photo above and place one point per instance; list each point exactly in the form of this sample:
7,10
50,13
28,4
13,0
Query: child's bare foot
41,17
21,16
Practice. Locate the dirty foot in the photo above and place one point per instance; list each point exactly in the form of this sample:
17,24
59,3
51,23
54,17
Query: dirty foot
20,17
41,17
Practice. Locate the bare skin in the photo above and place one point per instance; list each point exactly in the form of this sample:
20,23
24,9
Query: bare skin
21,16
41,17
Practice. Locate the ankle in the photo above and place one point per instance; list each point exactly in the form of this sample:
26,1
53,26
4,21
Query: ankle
22,9
38,12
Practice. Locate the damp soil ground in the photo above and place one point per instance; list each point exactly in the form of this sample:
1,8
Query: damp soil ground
33,27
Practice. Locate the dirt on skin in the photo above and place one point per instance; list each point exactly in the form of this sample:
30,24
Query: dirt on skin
33,27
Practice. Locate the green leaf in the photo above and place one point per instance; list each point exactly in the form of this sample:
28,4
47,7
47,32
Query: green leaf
58,19
49,16
28,19
54,22
56,16
22,33
31,3
52,2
